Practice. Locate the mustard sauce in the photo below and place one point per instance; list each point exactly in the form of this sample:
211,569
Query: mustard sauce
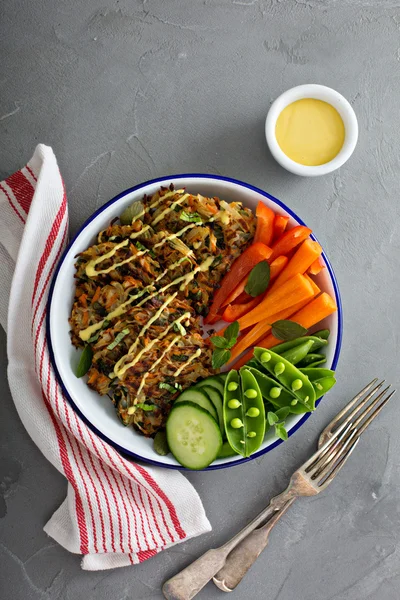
310,132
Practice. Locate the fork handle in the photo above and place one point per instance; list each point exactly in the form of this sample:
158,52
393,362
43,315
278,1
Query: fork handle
241,559
186,584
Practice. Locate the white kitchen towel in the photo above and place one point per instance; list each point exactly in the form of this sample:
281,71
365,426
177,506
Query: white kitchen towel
116,512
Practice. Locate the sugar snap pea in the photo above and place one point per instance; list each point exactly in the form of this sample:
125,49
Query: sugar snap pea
298,353
276,395
286,374
226,451
318,342
244,413
322,380
312,359
322,333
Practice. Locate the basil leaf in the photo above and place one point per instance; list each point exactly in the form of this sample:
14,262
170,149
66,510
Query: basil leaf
281,432
132,213
219,341
258,279
282,413
272,418
118,338
160,443
232,331
220,357
85,362
190,217
287,330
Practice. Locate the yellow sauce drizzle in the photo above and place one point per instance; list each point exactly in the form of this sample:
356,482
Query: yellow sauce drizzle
132,409
120,372
149,323
137,233
85,334
161,198
169,209
187,363
90,267
175,235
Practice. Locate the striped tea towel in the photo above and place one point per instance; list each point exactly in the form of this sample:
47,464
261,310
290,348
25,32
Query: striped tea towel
116,512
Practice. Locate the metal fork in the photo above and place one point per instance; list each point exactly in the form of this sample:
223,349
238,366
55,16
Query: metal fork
246,553
310,479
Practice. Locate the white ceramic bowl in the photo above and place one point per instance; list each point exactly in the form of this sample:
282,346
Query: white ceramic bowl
319,92
99,411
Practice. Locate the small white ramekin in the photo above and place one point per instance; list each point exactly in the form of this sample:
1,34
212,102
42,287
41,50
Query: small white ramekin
319,92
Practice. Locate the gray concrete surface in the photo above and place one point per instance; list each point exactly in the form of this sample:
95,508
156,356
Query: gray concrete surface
129,90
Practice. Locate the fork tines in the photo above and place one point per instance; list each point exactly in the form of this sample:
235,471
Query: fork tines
345,431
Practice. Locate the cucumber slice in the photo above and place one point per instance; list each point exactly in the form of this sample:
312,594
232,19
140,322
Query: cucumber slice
193,436
216,399
222,376
200,398
214,381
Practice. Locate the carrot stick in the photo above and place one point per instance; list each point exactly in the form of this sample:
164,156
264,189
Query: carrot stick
277,266
280,224
314,285
289,240
307,253
310,315
289,293
260,329
316,267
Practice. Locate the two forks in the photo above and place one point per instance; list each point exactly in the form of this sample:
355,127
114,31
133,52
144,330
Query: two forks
228,564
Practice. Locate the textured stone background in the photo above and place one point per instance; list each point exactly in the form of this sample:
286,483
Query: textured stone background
129,90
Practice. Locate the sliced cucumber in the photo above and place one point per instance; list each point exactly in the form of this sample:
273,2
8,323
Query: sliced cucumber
200,398
222,376
216,399
193,436
214,381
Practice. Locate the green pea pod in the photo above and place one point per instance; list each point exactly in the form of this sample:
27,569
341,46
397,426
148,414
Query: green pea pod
284,346
322,379
312,358
244,414
298,353
322,333
226,451
318,373
288,375
280,397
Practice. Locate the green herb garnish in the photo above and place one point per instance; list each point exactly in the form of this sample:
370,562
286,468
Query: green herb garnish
146,407
85,362
118,338
287,330
140,246
179,328
167,386
223,345
258,279
190,217
281,432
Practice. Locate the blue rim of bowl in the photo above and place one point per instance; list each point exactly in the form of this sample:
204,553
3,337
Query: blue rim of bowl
128,453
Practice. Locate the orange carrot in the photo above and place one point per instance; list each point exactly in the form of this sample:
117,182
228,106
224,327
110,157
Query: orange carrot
280,223
310,315
289,240
316,267
277,266
307,253
260,329
314,285
289,293
234,311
